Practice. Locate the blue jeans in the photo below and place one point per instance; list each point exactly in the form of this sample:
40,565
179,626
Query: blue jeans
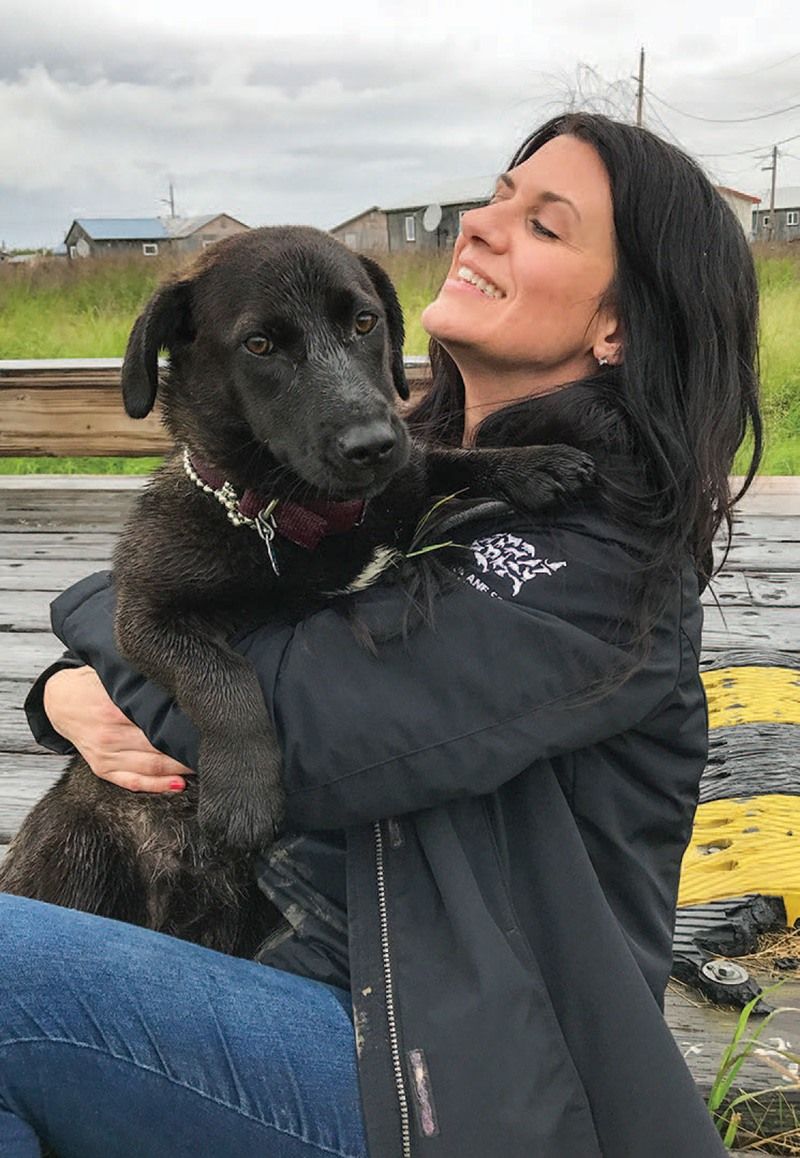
117,1042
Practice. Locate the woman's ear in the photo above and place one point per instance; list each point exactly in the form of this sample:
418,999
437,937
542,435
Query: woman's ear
608,346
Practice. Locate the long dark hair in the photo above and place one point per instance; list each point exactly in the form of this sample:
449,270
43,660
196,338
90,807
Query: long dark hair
686,393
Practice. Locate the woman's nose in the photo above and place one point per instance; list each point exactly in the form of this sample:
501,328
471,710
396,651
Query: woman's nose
487,224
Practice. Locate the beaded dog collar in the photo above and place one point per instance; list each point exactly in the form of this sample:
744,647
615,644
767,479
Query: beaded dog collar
304,525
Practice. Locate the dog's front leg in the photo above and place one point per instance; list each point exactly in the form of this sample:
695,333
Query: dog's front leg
529,477
241,797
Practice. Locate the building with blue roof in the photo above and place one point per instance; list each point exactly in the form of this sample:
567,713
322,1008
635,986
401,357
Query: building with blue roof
147,236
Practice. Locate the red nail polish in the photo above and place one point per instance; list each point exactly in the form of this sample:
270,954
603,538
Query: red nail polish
176,785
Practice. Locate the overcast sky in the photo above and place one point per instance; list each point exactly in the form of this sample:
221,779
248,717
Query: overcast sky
309,112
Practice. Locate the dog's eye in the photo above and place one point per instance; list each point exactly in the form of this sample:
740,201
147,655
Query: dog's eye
365,322
259,344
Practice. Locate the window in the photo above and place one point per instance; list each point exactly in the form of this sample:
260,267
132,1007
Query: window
73,251
765,221
411,227
793,217
150,249
350,240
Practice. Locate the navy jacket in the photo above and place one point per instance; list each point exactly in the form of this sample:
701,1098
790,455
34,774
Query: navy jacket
515,815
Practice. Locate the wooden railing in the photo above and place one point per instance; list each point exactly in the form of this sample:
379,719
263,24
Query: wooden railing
73,406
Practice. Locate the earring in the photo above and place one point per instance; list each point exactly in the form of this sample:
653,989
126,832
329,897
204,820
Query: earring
602,361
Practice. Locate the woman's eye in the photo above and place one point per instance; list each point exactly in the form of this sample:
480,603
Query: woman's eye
365,322
541,230
259,344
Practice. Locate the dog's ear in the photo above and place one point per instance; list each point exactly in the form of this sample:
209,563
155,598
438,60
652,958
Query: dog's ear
166,321
394,320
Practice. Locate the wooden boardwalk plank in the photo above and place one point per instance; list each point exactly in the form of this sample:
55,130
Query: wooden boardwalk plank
46,545
24,779
44,574
24,654
15,735
760,589
25,610
737,626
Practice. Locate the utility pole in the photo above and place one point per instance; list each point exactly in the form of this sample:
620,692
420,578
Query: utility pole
169,200
640,93
774,169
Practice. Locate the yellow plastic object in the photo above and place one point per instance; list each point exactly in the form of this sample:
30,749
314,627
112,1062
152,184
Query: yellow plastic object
744,846
753,695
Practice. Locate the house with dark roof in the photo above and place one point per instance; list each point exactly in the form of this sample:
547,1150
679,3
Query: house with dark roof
427,222
147,236
783,222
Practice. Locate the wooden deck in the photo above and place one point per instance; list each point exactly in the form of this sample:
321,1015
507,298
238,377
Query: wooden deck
53,532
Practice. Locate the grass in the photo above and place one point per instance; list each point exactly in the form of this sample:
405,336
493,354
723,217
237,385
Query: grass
729,1112
86,309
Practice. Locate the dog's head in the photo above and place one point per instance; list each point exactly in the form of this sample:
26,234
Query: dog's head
284,348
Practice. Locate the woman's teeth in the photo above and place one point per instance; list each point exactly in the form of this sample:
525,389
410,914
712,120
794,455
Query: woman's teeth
486,287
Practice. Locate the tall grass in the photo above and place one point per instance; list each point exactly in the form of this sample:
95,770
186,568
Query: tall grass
85,310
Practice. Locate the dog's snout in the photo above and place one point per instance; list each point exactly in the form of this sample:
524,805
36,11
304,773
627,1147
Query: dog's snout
367,445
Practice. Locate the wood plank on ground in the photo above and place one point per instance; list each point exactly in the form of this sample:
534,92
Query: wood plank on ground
25,654
42,575
25,610
47,545
762,554
702,1031
15,735
65,511
24,779
760,589
734,627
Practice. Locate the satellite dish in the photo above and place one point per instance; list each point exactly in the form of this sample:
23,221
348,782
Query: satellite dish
431,218
82,247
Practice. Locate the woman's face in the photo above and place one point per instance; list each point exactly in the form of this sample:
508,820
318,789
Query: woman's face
544,249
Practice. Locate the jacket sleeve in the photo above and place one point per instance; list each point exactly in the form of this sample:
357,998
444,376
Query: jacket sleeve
42,730
525,660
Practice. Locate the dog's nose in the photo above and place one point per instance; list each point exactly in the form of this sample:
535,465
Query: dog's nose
367,445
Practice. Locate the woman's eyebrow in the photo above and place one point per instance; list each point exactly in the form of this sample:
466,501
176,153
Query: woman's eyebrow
544,198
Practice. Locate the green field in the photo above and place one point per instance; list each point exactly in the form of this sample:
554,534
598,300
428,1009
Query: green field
86,309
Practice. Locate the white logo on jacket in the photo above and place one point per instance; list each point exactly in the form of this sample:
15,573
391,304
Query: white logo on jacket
509,557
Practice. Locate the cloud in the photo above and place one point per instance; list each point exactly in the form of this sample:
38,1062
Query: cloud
100,108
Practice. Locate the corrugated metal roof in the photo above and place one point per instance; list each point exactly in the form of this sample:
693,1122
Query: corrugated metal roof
123,228
787,197
183,226
452,193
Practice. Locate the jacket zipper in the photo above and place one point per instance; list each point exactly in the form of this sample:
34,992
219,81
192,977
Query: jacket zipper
388,983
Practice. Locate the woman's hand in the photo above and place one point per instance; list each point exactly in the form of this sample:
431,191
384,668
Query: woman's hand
80,709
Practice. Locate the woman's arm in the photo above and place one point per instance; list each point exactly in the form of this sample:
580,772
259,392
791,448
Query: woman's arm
508,674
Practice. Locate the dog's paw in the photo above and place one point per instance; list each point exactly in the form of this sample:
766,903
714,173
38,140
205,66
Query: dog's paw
241,797
240,823
541,476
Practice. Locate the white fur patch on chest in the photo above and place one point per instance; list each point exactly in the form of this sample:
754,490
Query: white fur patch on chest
382,559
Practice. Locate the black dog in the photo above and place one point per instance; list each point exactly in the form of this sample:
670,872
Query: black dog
293,479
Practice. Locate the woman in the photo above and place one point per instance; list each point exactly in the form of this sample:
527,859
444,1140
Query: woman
486,821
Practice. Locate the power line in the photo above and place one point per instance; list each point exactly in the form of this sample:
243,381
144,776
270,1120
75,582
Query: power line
766,67
653,112
722,120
